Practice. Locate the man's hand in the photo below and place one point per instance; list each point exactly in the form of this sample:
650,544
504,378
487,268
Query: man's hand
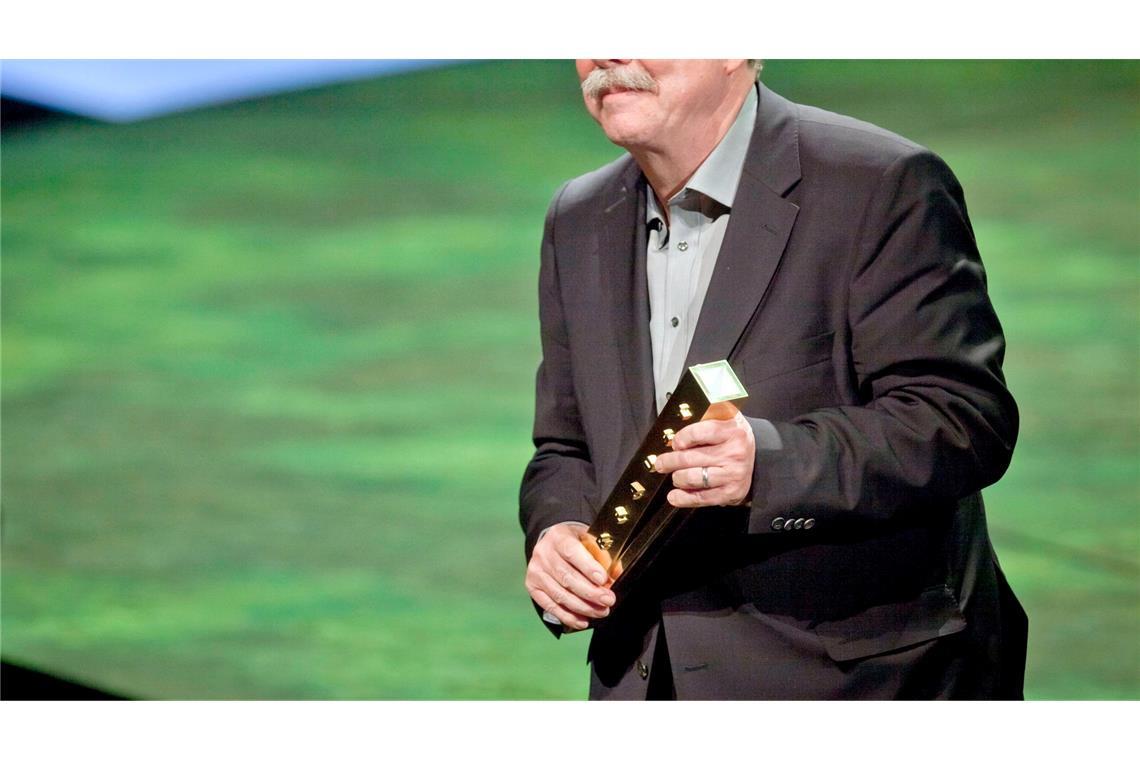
565,580
711,462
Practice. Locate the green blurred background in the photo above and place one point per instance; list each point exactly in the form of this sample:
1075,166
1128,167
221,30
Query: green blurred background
268,374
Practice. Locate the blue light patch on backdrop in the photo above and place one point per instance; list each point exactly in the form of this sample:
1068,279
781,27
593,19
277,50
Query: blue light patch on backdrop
128,90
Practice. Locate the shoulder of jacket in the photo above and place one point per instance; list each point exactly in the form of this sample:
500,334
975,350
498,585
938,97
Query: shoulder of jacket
585,191
829,139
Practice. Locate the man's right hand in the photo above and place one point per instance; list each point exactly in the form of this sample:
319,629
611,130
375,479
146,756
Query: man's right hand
565,580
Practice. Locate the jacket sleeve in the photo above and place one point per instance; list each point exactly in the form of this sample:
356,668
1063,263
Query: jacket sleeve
936,421
560,475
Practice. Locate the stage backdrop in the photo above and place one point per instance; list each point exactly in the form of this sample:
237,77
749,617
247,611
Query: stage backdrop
268,374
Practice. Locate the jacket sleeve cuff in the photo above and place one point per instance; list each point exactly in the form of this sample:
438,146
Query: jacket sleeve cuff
771,461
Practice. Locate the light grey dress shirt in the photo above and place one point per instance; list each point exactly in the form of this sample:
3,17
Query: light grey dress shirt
682,253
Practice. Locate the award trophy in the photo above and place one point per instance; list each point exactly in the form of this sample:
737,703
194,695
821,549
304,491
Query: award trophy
636,521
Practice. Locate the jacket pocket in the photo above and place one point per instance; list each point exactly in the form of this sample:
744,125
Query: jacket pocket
890,627
765,362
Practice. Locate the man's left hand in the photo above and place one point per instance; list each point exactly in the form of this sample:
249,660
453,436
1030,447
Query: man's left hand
711,462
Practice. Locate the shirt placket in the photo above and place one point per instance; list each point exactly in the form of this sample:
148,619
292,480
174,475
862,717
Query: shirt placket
681,258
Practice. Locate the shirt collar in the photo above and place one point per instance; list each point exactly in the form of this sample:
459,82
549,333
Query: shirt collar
719,174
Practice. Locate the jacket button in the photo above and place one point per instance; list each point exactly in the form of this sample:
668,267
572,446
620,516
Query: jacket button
809,523
642,670
799,523
778,523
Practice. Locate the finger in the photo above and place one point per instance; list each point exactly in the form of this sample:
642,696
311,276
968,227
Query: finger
565,616
693,478
704,433
704,456
561,586
567,599
704,497
570,549
568,577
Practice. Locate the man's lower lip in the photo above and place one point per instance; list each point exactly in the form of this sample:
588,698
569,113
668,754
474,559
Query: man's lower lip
607,93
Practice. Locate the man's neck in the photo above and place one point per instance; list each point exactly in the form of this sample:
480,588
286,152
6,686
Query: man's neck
669,167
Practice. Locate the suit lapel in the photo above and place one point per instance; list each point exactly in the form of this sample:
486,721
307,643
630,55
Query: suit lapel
757,233
622,242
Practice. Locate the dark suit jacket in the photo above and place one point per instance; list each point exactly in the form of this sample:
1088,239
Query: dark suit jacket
850,299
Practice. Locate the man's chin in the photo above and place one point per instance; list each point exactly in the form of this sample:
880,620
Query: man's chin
625,127
627,138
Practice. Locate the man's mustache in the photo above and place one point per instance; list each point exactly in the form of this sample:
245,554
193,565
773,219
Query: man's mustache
617,78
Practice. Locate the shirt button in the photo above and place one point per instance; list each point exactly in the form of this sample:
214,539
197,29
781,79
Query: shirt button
674,321
682,246
642,670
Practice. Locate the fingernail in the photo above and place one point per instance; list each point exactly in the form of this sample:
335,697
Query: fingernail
582,626
609,600
599,578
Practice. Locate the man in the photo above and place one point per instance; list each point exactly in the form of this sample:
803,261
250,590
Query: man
840,548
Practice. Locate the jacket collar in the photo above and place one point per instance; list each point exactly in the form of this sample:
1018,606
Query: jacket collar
774,153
